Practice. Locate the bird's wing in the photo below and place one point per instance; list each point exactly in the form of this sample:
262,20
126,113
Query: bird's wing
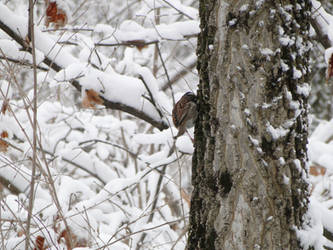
182,113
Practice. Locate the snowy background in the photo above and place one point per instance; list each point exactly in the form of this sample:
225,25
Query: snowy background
101,160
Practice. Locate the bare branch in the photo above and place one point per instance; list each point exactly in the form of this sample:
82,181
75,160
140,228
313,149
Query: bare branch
166,72
23,63
140,231
31,38
131,43
94,141
10,186
69,29
78,166
144,43
156,195
152,100
136,43
178,76
181,12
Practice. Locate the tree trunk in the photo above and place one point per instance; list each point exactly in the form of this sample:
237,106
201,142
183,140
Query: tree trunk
249,165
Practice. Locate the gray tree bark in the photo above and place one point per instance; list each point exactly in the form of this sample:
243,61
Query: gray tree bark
249,165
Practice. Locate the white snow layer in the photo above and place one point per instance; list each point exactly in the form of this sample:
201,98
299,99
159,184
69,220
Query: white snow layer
111,85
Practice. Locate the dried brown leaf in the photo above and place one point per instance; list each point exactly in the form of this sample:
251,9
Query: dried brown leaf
4,134
64,234
75,240
5,105
3,146
91,98
55,15
40,243
317,170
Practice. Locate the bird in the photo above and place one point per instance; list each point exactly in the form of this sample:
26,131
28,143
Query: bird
184,113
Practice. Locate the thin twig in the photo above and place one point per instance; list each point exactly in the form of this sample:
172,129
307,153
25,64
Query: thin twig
136,43
155,62
47,175
23,63
10,186
166,73
184,231
78,166
94,141
122,11
178,10
139,231
156,195
69,29
178,76
31,38
152,99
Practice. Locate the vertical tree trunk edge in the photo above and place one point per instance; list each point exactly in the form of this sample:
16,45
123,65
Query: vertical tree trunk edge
245,166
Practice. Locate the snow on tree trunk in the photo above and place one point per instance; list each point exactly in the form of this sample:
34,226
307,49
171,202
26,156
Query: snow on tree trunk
249,163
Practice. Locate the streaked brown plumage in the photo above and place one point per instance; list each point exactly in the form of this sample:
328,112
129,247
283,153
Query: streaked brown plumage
184,113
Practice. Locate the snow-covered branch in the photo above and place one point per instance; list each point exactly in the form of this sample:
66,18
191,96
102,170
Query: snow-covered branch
110,86
322,22
131,33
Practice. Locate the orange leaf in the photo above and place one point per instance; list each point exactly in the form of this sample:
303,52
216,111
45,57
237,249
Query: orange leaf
40,243
65,235
55,15
91,98
4,134
77,242
3,146
5,105
317,170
